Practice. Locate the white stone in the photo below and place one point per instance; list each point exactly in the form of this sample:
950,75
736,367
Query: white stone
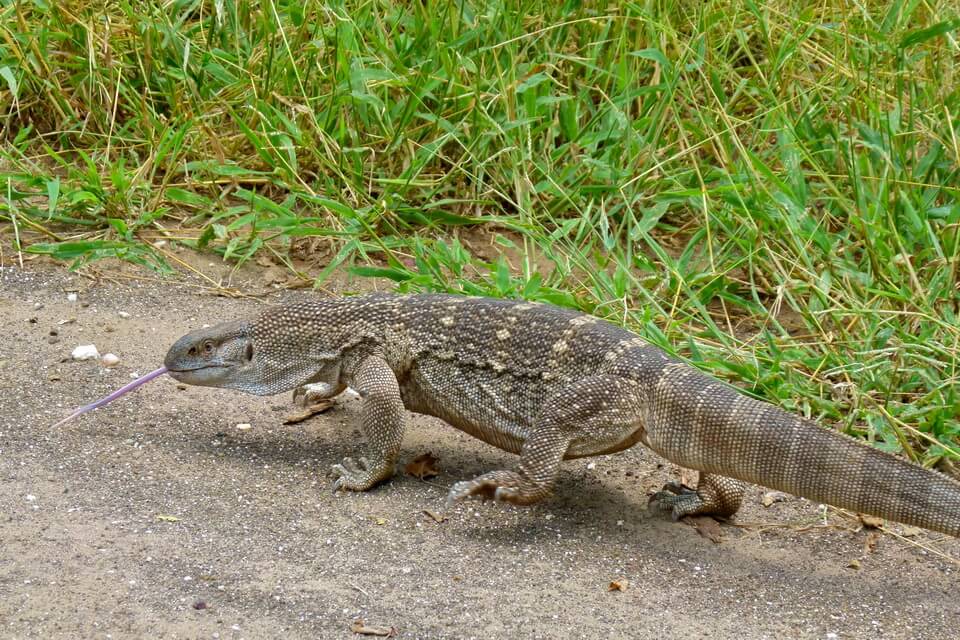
85,352
244,426
71,297
110,360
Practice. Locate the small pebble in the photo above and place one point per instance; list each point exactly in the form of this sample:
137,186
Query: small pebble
123,314
244,426
85,352
71,297
37,306
110,360
52,339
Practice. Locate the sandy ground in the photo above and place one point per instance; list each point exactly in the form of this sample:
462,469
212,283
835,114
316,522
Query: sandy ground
156,517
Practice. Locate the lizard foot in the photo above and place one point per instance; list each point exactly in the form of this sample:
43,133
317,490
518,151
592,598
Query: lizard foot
359,476
675,499
715,495
315,393
504,486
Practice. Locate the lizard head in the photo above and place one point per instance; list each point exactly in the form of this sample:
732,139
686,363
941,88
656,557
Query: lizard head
280,350
218,356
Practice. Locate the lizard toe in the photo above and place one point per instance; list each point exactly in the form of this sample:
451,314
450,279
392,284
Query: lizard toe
358,476
676,500
458,492
502,486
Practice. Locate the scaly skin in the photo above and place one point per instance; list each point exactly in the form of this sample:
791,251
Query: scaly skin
549,384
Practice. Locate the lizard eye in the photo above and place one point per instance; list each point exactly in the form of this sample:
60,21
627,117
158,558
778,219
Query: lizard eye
207,348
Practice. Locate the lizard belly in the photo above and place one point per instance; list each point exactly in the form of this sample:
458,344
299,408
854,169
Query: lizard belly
585,447
473,407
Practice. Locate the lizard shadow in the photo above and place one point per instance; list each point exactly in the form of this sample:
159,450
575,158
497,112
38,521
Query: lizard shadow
581,508
586,506
580,503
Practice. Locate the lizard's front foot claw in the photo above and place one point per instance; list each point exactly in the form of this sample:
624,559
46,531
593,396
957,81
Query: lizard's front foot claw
359,476
464,489
314,393
503,486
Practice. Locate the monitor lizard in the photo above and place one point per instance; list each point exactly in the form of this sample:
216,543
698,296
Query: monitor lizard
549,384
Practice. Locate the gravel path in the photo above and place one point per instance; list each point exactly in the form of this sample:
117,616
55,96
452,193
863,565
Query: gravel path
156,517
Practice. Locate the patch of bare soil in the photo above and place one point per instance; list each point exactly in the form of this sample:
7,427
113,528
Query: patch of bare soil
156,517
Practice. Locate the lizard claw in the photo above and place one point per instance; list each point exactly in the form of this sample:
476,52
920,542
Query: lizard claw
359,475
502,486
314,393
674,499
458,492
715,496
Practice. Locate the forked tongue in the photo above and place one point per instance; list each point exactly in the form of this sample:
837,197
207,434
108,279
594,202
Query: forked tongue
113,396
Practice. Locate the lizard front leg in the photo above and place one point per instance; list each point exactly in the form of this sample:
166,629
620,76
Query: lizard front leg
312,393
381,417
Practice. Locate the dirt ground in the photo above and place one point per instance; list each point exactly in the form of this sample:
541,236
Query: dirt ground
157,517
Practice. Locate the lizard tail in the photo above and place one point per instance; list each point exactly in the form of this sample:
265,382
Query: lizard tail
704,424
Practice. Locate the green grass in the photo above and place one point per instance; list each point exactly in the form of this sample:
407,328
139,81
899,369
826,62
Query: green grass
768,189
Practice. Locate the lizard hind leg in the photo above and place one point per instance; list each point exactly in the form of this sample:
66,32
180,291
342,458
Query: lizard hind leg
715,495
600,409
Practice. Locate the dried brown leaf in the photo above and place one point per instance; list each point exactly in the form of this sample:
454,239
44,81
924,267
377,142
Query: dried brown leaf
870,543
854,564
437,517
770,497
360,627
308,412
619,585
707,527
871,521
423,466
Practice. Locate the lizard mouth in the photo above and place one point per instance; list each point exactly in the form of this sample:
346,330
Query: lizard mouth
199,367
208,375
